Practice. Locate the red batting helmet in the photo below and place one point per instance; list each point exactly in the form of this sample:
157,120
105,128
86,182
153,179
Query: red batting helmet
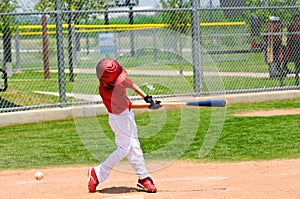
109,71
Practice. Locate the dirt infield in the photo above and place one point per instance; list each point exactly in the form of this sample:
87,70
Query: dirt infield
267,179
267,113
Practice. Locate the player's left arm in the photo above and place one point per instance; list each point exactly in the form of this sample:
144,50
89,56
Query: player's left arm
154,104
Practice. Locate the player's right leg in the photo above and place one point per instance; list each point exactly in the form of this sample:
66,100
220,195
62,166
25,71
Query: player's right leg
147,184
123,140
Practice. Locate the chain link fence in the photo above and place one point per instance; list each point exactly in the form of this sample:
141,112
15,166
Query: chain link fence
176,48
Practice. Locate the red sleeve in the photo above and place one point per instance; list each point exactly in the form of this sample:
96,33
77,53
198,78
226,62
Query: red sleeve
128,83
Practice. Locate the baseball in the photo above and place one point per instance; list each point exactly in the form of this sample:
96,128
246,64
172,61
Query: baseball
39,175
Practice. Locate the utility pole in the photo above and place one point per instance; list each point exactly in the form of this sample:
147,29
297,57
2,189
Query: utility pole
131,21
7,58
60,54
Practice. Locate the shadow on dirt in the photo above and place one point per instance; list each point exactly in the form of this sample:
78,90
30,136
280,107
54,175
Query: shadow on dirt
120,190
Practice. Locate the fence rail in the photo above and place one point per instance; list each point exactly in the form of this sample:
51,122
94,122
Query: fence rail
80,28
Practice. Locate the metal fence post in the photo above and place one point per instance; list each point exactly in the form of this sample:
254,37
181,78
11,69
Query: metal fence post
196,48
245,41
72,51
60,54
18,57
155,46
131,21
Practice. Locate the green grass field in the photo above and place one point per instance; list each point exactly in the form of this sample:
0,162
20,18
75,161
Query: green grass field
51,144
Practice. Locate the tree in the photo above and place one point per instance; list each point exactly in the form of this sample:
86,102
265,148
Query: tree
178,21
72,5
43,6
264,14
73,19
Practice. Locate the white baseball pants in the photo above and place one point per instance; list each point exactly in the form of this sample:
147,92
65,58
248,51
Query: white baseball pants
128,145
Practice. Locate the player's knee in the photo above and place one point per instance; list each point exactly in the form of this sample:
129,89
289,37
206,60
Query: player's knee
123,152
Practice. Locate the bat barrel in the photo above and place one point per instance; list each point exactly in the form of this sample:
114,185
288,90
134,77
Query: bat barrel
213,103
209,103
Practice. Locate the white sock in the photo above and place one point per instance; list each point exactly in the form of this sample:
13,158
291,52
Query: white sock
97,170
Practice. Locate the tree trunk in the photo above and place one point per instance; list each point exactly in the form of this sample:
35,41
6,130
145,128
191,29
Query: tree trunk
45,47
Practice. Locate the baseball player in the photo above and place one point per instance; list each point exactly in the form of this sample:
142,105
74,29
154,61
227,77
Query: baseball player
113,83
275,48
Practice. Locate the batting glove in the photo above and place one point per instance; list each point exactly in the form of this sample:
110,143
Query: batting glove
153,104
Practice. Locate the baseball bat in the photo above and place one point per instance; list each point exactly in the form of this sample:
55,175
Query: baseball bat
207,103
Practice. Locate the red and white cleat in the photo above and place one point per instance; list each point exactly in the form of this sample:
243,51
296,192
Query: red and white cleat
147,184
93,180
